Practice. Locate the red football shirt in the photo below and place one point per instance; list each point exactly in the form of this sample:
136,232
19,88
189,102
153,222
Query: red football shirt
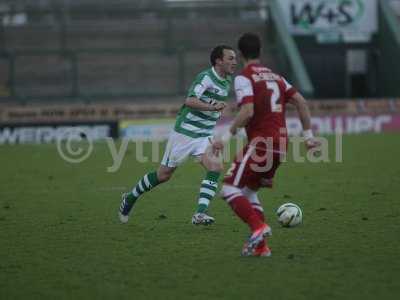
269,92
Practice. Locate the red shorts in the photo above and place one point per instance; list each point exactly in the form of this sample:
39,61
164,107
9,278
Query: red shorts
253,167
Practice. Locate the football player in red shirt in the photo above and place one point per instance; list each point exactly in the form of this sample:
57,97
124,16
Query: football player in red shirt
262,97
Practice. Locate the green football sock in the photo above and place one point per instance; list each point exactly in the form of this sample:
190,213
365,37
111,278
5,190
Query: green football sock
207,191
145,184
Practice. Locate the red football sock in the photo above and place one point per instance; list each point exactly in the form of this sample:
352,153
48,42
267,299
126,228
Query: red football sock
242,207
260,214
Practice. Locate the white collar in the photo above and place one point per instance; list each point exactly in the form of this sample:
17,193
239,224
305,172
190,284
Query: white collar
216,74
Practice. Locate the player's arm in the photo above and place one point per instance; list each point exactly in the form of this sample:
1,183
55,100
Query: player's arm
197,89
305,118
304,113
246,112
245,99
195,103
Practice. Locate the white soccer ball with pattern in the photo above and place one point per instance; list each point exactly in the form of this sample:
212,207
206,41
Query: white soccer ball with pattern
289,215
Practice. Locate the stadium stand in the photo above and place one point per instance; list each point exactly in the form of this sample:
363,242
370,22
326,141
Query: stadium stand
105,49
94,48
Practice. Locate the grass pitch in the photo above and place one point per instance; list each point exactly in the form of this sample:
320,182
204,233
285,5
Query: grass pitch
60,237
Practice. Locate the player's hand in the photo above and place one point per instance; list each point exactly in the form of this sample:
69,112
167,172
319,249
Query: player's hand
219,105
312,144
217,147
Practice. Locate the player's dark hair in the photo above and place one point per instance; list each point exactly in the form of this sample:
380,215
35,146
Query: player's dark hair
218,52
249,45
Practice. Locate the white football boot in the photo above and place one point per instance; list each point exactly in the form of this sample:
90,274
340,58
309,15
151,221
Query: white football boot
202,219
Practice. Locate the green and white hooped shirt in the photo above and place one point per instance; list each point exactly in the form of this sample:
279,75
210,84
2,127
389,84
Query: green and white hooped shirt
207,86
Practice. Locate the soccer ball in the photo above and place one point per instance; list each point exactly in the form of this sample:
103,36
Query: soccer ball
289,215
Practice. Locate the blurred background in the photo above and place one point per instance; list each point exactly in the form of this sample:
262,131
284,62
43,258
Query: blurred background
119,61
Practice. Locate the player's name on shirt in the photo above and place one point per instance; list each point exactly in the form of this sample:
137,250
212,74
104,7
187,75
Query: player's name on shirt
268,76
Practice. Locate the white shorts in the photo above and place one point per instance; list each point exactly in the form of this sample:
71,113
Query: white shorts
180,147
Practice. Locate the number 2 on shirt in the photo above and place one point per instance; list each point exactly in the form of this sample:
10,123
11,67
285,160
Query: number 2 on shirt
275,96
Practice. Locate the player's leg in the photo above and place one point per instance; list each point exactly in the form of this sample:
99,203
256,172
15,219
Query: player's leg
209,185
237,176
145,184
242,207
174,155
251,194
260,177
262,249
